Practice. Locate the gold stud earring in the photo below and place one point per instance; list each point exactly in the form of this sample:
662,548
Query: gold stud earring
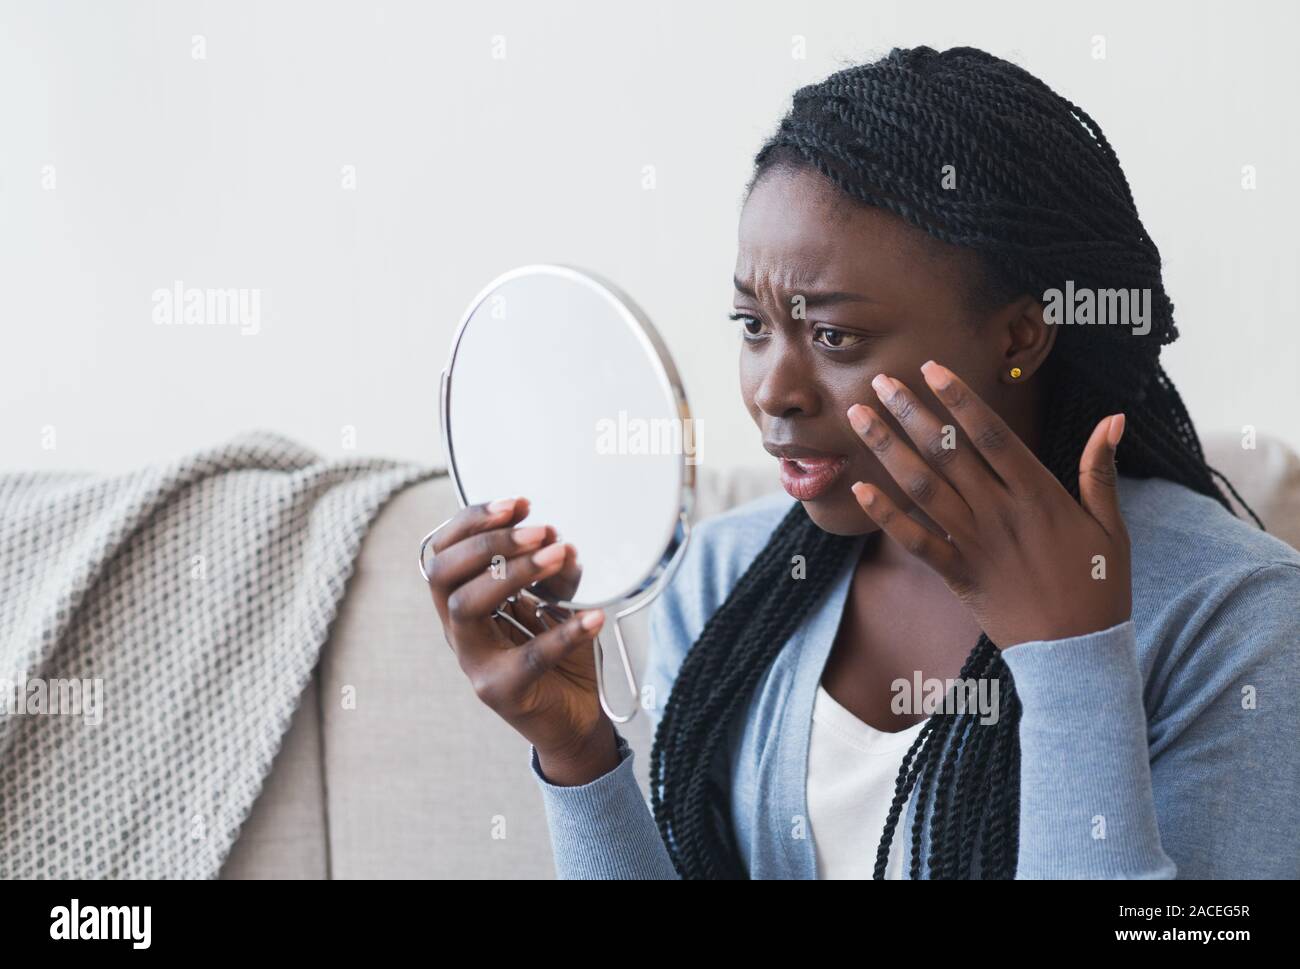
1015,373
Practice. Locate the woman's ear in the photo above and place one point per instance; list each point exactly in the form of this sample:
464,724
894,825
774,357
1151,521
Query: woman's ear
1026,340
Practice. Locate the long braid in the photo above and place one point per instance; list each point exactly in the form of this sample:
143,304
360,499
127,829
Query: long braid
1042,199
968,734
974,764
943,726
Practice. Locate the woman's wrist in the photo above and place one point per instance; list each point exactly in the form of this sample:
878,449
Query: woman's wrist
592,759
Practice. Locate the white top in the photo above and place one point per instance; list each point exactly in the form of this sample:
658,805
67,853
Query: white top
852,769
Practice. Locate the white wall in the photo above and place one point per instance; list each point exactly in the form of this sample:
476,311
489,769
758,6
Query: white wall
226,172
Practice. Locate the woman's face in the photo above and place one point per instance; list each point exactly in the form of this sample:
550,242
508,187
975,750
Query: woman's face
877,295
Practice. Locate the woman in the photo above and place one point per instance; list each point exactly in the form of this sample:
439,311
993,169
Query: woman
985,488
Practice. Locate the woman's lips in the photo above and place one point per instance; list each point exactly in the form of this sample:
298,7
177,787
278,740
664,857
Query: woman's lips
809,478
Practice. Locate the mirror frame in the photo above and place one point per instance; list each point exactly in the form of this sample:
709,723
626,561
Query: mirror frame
660,573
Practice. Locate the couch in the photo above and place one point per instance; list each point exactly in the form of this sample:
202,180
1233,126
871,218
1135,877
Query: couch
392,768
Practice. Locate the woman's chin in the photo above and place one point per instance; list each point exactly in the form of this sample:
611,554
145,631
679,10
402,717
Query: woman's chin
840,516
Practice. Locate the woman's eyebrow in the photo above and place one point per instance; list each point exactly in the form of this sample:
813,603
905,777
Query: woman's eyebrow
811,298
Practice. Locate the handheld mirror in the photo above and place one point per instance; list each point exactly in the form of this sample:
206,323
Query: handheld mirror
559,389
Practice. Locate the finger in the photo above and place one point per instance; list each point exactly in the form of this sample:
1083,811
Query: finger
524,611
920,482
570,575
532,606
477,599
524,665
970,477
506,629
538,600
1017,466
937,438
1099,476
465,560
910,534
563,586
476,518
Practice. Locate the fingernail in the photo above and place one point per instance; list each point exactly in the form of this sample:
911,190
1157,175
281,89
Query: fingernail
860,418
590,620
866,497
1116,429
549,555
527,535
500,505
885,386
938,375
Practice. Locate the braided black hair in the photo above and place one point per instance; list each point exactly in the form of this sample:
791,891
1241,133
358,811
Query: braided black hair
1042,200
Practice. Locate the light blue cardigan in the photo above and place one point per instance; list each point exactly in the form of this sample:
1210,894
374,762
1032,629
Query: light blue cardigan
1143,732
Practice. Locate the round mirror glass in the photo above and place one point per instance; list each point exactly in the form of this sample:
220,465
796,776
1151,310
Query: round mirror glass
559,390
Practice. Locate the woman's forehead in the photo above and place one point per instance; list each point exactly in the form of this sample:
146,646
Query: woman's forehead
798,233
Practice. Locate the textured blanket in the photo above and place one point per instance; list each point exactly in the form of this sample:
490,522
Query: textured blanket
157,630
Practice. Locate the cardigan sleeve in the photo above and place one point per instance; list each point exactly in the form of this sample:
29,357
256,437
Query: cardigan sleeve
1204,787
603,829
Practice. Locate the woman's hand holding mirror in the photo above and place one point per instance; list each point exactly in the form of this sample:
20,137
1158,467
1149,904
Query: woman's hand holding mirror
543,685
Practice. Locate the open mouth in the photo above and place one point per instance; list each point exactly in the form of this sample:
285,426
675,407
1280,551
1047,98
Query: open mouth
809,478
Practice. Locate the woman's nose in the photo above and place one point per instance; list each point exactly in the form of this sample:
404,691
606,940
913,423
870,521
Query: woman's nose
786,390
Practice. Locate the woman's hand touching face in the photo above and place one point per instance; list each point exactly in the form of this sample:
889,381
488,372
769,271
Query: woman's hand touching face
1029,561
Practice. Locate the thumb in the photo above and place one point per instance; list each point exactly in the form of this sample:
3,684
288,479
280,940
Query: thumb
1098,476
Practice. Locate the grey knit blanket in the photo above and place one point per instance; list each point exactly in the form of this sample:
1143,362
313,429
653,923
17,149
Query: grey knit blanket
157,630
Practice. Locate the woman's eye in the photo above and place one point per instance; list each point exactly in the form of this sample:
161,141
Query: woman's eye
836,339
747,320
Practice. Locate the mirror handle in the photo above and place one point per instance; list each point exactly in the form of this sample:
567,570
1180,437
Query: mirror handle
627,670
